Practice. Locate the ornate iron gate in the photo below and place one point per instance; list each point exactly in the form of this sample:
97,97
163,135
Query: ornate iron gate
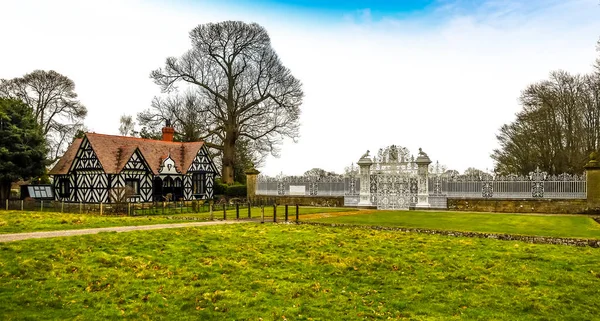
394,191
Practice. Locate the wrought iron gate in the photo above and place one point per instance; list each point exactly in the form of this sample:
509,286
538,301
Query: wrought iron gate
394,191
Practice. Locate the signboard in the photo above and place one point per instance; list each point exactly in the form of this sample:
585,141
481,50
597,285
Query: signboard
297,190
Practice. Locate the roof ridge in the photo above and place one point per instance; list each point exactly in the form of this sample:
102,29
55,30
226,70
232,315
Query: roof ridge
143,139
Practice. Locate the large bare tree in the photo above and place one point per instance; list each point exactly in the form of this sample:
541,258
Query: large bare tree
243,90
53,101
126,125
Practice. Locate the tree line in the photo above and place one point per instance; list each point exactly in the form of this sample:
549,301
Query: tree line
557,128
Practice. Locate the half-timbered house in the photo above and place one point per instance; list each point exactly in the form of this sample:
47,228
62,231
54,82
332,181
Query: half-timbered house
105,168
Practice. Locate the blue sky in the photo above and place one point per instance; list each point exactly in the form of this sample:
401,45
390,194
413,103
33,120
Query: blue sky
443,75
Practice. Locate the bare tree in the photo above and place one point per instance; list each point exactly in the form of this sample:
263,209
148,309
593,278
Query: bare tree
127,125
53,101
243,89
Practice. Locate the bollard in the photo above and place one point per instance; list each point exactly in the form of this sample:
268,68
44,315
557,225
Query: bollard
249,214
274,212
237,211
286,212
224,212
296,213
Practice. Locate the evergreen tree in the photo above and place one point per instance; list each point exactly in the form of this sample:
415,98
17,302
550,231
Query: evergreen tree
22,145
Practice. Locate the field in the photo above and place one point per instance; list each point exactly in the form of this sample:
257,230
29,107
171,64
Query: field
27,221
294,272
523,224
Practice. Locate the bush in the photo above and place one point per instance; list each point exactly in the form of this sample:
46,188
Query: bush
219,188
236,191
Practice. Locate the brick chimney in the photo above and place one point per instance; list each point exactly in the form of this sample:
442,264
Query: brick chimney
167,132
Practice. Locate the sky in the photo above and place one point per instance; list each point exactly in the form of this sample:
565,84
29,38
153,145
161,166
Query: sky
441,75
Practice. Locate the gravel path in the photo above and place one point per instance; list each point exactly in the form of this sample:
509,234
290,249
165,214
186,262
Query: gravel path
40,235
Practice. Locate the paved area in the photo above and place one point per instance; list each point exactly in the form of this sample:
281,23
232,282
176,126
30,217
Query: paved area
48,234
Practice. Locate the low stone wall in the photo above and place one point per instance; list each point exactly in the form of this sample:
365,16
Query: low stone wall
333,201
558,206
495,236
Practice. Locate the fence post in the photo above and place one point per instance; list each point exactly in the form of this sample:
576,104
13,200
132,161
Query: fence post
274,212
262,209
101,212
21,205
297,214
80,207
286,212
237,211
249,214
41,205
224,212
7,204
210,206
128,209
62,206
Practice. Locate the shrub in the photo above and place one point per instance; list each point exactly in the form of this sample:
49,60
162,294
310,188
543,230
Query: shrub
236,191
219,188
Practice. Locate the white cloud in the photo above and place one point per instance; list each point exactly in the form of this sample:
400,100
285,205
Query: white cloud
444,80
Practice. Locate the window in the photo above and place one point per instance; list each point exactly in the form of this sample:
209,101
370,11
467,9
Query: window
198,183
64,189
134,185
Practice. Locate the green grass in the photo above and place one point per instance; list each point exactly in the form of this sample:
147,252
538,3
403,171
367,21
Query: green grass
525,224
18,221
291,272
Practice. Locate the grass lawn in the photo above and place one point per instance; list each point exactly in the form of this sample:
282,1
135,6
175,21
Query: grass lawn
19,221
525,224
291,272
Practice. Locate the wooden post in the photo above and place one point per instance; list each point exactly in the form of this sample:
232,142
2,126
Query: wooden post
237,211
7,204
262,209
41,205
224,212
286,212
297,213
80,207
210,207
62,206
249,209
274,212
128,209
101,209
21,205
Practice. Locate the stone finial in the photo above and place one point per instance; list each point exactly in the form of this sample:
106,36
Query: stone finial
593,163
365,155
252,171
423,158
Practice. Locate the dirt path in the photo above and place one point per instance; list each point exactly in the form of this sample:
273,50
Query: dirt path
39,235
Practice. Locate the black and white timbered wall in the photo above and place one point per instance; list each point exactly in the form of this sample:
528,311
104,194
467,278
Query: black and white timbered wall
87,181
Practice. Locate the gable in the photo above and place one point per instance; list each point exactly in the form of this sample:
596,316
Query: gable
64,164
202,162
136,163
86,158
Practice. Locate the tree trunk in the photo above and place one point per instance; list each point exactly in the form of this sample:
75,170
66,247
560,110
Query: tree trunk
228,159
4,192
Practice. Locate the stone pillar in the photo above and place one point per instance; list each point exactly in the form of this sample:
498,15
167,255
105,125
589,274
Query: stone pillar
423,162
251,182
365,180
592,177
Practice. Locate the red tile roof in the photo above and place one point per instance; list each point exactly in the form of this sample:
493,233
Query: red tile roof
64,163
113,152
